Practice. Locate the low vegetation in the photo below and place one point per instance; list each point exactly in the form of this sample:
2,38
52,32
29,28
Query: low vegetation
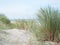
47,26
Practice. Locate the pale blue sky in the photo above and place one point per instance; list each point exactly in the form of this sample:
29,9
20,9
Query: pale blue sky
25,9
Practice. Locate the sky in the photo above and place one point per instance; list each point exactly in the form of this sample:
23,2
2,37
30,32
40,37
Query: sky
25,9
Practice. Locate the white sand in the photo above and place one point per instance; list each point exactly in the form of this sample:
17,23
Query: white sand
18,37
